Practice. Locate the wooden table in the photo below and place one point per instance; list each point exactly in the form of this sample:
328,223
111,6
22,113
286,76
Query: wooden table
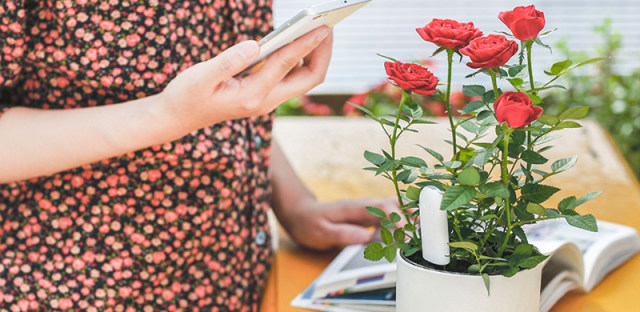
327,154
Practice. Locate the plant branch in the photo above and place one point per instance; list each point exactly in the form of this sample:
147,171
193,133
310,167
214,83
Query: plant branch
447,99
394,170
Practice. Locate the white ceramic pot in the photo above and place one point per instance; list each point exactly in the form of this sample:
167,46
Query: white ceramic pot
423,289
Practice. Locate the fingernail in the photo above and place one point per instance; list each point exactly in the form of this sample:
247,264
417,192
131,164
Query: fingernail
362,236
248,49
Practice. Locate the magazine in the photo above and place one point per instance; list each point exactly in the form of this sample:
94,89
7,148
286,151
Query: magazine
578,259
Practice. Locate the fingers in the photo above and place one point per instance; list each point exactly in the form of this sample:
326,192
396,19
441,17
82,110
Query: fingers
279,64
354,211
303,78
233,60
347,234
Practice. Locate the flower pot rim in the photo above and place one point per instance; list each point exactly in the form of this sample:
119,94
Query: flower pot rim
434,270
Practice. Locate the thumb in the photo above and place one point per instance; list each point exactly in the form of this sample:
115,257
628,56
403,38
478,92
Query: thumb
347,234
234,59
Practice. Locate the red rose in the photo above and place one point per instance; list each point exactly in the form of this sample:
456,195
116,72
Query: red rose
412,77
449,33
524,22
490,51
516,109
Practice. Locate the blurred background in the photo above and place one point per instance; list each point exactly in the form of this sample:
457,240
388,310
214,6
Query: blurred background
585,29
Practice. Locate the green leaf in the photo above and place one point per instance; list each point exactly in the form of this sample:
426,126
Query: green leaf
487,283
387,57
495,189
535,99
376,212
536,209
452,164
521,252
474,268
568,124
519,232
390,252
433,153
457,196
473,90
413,162
388,164
473,106
540,43
483,156
533,158
513,71
469,176
415,110
464,245
587,198
538,193
413,193
559,67
566,204
489,96
564,164
531,262
387,224
374,252
549,120
399,235
374,158
593,60
367,112
386,236
515,82
411,251
526,173
578,112
394,217
440,49
404,175
585,222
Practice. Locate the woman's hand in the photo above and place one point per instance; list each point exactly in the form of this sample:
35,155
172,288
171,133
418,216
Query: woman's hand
208,92
321,225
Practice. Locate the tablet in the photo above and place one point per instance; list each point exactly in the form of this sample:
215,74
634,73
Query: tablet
327,13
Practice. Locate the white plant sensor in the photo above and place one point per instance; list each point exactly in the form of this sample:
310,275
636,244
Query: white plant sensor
434,228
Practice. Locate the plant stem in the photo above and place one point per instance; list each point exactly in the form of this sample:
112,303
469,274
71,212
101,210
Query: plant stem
530,67
394,173
494,81
505,179
447,98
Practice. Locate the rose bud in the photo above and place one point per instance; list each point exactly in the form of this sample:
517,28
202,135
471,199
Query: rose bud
490,51
516,109
412,77
524,22
449,33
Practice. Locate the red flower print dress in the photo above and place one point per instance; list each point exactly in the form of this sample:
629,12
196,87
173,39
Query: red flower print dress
176,227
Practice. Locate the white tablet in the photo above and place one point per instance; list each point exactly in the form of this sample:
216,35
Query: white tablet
327,13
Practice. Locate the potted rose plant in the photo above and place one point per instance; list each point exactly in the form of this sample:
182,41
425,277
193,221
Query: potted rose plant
494,183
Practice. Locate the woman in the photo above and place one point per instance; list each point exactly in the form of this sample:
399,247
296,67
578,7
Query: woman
134,167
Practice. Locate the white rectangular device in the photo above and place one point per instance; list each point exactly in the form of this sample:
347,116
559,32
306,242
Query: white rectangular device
327,13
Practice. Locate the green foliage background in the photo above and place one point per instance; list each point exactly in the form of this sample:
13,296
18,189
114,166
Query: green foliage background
614,98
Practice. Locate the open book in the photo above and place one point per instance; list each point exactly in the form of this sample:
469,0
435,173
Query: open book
578,260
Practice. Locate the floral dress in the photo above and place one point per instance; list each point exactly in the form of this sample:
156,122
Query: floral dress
174,227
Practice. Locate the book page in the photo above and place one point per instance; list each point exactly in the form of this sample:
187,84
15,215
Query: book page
595,254
349,270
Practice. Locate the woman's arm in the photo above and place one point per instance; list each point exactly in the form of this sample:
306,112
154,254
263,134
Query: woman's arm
35,142
314,224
